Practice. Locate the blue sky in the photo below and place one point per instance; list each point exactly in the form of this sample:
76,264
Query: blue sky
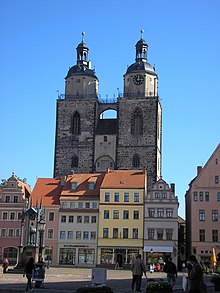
38,45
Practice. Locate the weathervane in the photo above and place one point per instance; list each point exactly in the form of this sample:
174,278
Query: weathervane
142,33
83,34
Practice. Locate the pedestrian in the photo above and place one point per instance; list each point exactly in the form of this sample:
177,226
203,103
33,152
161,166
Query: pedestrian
29,270
138,268
5,265
158,267
195,275
171,271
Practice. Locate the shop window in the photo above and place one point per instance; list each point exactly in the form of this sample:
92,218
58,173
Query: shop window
86,256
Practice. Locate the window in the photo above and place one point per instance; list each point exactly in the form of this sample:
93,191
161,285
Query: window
218,196
116,214
136,215
19,215
201,196
202,235
62,234
10,232
70,235
169,213
71,219
195,196
94,205
160,234
135,233
76,124
215,235
137,122
125,215
107,197
169,234
86,235
126,197
78,234
16,198
93,219
207,196
136,161
91,185
74,185
80,205
12,216
51,216
105,138
216,180
5,216
79,219
64,205
75,163
106,214
93,235
201,215
3,232
160,213
125,233
151,234
115,232
151,212
116,199
86,219
63,219
72,205
136,197
164,195
17,233
157,195
87,205
50,233
7,198
105,232
214,215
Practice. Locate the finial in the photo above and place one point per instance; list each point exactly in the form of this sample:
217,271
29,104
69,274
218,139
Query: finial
83,34
142,33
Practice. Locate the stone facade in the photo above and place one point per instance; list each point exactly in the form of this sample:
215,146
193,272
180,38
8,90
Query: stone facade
87,143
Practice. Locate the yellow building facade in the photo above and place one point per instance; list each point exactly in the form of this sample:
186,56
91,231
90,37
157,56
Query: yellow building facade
121,217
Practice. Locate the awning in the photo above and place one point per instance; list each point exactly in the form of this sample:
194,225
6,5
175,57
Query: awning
148,248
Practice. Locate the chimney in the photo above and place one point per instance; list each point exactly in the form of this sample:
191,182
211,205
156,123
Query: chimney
172,186
199,169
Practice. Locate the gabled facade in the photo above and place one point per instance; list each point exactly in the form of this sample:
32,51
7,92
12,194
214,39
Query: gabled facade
161,224
203,211
14,198
121,217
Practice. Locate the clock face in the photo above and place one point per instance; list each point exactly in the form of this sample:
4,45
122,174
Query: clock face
138,79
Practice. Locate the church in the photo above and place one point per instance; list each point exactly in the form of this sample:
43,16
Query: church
86,142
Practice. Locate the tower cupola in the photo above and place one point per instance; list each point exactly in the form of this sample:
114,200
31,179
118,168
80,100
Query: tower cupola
141,49
82,53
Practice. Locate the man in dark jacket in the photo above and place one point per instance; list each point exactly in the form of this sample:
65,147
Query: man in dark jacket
171,271
137,268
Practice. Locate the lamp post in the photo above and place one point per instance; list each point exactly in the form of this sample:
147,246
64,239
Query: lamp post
41,229
151,266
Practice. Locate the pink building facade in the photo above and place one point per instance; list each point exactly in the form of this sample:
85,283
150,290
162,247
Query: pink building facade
203,211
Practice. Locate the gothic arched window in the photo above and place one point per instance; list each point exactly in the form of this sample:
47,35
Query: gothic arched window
136,161
75,162
137,122
76,123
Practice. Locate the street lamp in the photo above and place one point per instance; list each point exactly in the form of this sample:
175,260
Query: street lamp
41,229
151,266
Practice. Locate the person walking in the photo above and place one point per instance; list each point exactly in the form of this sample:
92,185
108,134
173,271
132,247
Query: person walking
28,270
138,268
195,275
171,271
5,265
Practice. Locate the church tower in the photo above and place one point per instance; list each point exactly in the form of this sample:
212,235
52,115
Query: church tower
76,118
140,118
85,142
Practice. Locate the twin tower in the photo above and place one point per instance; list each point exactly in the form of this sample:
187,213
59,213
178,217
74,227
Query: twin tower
86,142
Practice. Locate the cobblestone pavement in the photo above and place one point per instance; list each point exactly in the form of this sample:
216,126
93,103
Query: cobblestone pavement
66,280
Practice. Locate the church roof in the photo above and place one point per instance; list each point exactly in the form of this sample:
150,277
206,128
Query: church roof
81,70
141,67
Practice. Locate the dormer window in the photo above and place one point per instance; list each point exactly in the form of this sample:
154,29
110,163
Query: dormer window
74,185
91,185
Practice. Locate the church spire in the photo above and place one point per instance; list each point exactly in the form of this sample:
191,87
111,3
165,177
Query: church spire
141,49
82,53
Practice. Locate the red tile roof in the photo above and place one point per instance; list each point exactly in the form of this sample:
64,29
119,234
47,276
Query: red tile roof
48,189
124,179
